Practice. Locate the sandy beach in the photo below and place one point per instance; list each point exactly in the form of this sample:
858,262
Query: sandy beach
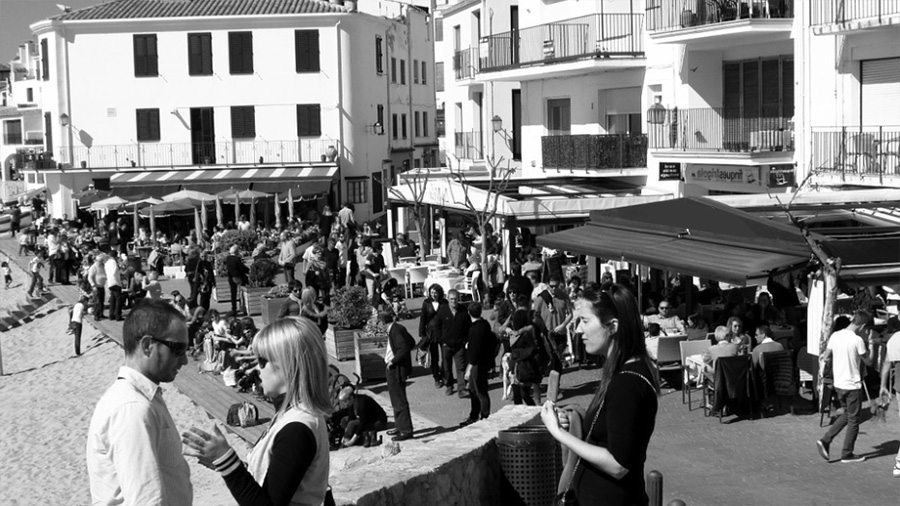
48,396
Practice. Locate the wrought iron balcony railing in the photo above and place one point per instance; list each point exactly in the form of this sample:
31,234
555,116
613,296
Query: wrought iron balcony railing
592,36
828,12
594,151
724,130
469,145
465,63
666,15
156,154
855,150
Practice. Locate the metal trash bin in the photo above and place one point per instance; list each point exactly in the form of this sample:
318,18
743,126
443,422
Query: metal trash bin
530,465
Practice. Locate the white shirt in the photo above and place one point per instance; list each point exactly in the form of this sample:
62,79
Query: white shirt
846,348
133,447
112,272
892,349
77,312
388,352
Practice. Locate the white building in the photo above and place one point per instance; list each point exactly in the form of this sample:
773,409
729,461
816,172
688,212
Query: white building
151,96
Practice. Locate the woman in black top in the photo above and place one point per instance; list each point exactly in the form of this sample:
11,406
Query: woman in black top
428,342
608,463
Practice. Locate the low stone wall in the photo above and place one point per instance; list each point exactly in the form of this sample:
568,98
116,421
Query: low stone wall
459,468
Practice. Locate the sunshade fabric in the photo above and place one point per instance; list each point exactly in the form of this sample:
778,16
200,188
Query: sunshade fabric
200,179
301,191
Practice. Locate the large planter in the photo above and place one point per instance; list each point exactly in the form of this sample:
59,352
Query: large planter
222,290
339,343
369,352
251,299
270,308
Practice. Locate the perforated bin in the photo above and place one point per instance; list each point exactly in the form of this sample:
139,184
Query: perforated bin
530,465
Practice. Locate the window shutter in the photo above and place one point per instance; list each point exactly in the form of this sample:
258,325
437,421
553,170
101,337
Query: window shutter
240,52
308,120
195,58
45,61
306,48
771,88
243,122
379,55
415,71
751,89
424,124
787,100
154,124
140,59
152,64
206,51
880,90
234,53
148,124
424,81
315,124
247,51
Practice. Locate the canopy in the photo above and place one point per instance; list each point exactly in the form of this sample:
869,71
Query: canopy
190,194
212,180
175,207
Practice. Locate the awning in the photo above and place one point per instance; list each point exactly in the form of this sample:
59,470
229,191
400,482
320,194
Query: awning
212,180
306,190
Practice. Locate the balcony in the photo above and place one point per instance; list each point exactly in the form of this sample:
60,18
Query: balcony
465,63
844,16
709,24
236,152
724,130
860,154
469,145
568,47
592,152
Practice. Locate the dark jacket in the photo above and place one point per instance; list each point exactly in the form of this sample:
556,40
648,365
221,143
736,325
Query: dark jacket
401,342
425,322
235,267
452,330
482,346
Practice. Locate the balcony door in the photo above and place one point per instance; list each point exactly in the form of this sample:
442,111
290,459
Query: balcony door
203,136
559,116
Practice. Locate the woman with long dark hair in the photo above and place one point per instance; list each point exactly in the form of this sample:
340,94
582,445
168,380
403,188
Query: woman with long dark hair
428,341
606,466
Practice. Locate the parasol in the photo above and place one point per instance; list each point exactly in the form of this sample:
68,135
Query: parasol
290,204
108,204
137,220
204,218
152,225
198,227
253,214
88,197
189,194
175,207
220,215
277,211
244,195
237,210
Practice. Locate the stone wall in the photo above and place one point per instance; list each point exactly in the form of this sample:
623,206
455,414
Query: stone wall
458,468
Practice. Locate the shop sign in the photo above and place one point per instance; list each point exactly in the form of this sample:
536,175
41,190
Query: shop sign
670,171
782,176
724,174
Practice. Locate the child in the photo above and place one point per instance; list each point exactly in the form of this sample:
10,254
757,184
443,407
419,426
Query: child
24,243
7,274
37,281
76,317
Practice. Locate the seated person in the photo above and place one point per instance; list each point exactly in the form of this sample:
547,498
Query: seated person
135,288
763,311
364,418
723,348
697,327
736,335
652,339
670,323
766,344
151,286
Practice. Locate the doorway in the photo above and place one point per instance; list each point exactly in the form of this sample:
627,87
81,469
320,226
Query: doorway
203,136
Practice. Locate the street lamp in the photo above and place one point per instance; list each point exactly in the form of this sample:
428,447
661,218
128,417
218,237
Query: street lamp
64,119
497,123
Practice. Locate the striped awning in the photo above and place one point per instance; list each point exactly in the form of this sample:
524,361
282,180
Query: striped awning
202,179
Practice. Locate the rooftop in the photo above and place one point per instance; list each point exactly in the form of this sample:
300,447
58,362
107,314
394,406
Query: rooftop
147,9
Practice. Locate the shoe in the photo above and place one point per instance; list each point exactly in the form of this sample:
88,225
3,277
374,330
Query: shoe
463,394
852,459
367,439
403,436
438,383
449,391
823,449
393,432
897,470
375,439
466,422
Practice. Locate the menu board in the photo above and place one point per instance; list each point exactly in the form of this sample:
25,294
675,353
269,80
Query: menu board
669,171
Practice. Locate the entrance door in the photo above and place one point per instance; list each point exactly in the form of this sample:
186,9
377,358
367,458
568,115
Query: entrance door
203,136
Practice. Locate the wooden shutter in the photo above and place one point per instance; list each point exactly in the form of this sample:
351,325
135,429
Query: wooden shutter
415,71
240,52
308,120
771,88
424,124
424,80
199,54
377,194
306,49
45,61
751,89
787,88
148,124
379,55
145,57
880,94
243,122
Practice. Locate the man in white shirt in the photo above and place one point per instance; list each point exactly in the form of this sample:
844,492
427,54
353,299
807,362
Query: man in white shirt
846,348
286,256
134,453
668,321
97,279
892,359
113,287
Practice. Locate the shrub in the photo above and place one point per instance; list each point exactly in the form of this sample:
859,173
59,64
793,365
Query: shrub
350,307
245,239
221,271
279,291
262,273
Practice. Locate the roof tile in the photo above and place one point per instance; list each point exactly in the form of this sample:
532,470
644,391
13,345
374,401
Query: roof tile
143,9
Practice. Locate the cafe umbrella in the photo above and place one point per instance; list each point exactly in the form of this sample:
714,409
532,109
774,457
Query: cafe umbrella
220,215
290,204
253,213
198,227
204,217
277,211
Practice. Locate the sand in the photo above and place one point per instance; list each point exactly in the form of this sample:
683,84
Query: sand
48,395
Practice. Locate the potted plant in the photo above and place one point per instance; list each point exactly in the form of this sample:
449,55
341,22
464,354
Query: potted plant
272,301
350,310
262,277
368,348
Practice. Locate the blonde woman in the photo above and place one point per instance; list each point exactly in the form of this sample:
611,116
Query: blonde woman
289,464
310,308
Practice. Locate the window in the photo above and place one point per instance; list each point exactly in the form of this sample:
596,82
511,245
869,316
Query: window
424,123
439,125
377,193
147,124
415,71
439,76
12,132
379,115
45,61
393,70
403,124
402,71
30,177
416,124
41,178
240,52
417,163
29,95
200,54
439,29
357,191
394,126
306,49
309,121
559,119
379,55
243,122
424,81
146,62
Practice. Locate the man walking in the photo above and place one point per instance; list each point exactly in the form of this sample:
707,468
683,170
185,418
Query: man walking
237,272
399,365
114,287
134,453
286,256
481,353
846,348
97,279
452,324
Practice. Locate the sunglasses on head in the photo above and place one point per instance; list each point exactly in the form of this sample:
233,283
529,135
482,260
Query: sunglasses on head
177,348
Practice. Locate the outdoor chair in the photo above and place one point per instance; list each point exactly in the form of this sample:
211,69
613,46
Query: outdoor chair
399,273
668,355
469,286
418,275
689,348
777,376
731,383
432,258
407,260
808,367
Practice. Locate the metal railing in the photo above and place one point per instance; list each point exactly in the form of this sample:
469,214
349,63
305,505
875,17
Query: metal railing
156,154
465,63
856,150
594,151
724,129
469,145
595,36
667,15
827,12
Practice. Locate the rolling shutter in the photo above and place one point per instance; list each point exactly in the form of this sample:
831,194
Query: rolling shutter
880,92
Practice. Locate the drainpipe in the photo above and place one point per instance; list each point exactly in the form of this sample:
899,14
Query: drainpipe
340,79
409,93
70,139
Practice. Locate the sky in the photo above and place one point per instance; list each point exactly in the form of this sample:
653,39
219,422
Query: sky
17,15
